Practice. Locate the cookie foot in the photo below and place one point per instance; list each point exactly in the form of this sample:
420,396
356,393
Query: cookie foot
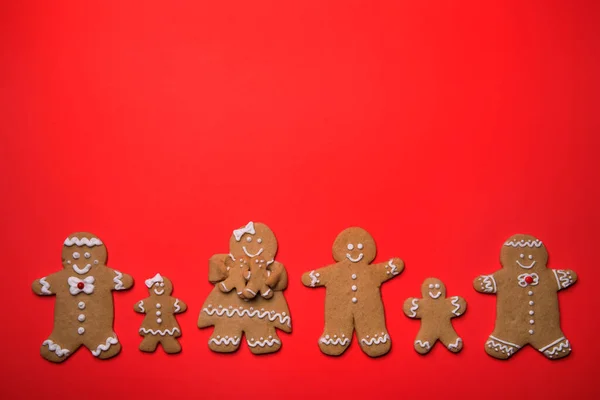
224,344
149,344
110,348
334,345
500,349
376,345
170,345
423,346
54,352
456,346
558,349
264,345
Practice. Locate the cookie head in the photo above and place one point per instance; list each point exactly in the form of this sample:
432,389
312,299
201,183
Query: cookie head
159,285
354,244
254,240
82,251
433,288
523,253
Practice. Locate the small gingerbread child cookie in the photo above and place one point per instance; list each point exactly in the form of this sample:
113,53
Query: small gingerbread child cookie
527,300
83,314
353,299
160,325
243,311
435,312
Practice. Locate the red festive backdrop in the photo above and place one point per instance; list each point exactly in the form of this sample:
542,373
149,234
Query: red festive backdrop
440,127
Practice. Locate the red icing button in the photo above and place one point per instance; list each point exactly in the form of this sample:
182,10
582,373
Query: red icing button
529,280
80,285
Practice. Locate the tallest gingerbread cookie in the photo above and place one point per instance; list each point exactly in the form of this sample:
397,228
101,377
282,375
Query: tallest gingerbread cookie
527,305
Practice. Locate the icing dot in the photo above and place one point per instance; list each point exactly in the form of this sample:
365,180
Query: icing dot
259,240
158,305
388,272
226,337
251,308
353,276
81,330
531,312
220,306
354,288
530,293
262,309
283,313
81,305
354,299
522,240
531,321
241,260
158,320
367,336
343,335
522,255
270,337
81,318
334,336
437,285
230,307
218,337
531,303
210,305
241,307
158,313
431,286
96,262
317,274
68,261
87,255
350,246
261,338
162,284
531,331
531,257
248,239
360,246
80,285
490,345
76,255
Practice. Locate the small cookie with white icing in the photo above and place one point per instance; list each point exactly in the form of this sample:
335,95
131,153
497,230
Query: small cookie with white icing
435,312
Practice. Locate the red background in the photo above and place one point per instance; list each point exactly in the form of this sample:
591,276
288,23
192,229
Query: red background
161,126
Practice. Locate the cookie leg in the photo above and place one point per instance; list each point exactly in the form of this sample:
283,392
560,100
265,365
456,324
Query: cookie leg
262,338
371,331
557,349
424,341
225,339
339,326
103,345
57,348
149,343
170,344
451,340
266,292
500,346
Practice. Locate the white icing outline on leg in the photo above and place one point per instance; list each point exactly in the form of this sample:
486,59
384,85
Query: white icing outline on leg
425,344
373,340
104,347
56,348
225,341
263,343
455,344
335,342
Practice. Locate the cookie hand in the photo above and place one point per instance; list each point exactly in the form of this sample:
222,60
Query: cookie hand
389,269
457,305
485,284
139,307
564,278
411,308
217,270
43,286
315,278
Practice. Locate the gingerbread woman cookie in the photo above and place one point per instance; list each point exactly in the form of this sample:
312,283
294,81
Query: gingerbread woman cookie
160,325
234,313
527,300
83,314
435,312
353,299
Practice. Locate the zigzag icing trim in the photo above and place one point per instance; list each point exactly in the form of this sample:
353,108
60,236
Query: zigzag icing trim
82,242
141,305
117,281
266,293
164,332
501,345
488,284
564,280
379,340
219,341
455,344
524,243
562,346
425,344
414,308
103,347
335,342
271,315
45,286
56,348
263,343
454,302
394,268
177,306
313,278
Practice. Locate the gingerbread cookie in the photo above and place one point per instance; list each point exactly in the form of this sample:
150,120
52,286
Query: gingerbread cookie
160,325
83,314
250,269
435,312
353,299
527,300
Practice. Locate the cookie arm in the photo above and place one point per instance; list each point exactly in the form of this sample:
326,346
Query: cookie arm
277,275
179,306
388,270
45,286
411,308
217,270
317,277
485,284
564,278
120,281
457,305
139,306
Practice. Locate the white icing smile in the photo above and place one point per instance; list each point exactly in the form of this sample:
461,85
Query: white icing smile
526,266
82,271
354,260
252,255
159,292
436,295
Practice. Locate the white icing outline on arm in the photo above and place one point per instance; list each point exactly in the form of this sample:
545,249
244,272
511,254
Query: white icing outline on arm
313,278
488,284
177,306
117,280
564,280
454,302
45,286
141,306
414,308
394,269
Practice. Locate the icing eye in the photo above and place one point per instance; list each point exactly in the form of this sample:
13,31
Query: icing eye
76,255
522,255
360,246
248,239
162,284
96,262
87,255
431,286
437,285
350,246
530,257
259,240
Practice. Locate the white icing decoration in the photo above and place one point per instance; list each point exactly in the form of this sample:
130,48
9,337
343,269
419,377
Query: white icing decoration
437,285
81,330
259,240
354,260
250,254
503,346
523,243
163,332
414,308
526,266
266,293
81,318
87,255
270,262
104,347
530,257
231,256
562,346
354,300
522,255
455,344
82,242
336,342
141,306
252,292
226,340
45,286
81,305
488,284
313,278
524,283
360,246
177,306
350,246
117,280
530,293
423,344
150,282
158,320
454,302
431,286
394,268
353,276
82,271
564,280
531,303
249,228
354,288
158,305
435,296
158,313
88,286
379,340
76,256
56,348
248,239
159,292
271,315
263,343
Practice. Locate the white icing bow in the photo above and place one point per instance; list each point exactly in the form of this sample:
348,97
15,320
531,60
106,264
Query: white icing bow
87,288
153,280
249,228
523,282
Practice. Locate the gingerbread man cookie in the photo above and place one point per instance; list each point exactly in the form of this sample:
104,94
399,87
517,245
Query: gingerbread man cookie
527,300
353,299
243,311
435,312
160,325
83,314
